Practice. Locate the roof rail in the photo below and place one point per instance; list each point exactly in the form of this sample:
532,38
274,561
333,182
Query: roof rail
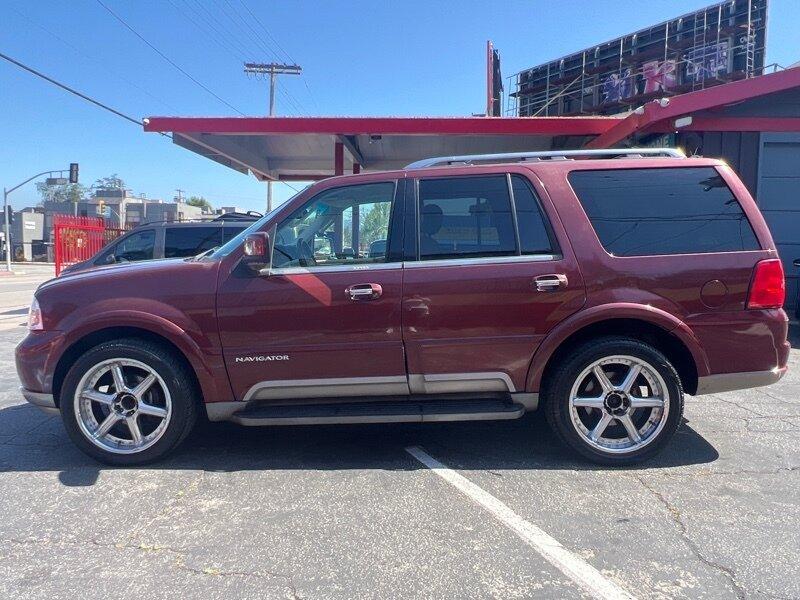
471,159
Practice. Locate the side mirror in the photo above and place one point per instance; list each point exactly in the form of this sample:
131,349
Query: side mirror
257,251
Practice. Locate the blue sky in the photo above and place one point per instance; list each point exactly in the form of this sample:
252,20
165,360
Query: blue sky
359,58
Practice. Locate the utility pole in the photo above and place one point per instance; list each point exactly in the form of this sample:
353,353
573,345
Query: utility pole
271,69
180,195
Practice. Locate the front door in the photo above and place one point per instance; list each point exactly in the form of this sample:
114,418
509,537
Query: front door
326,320
492,277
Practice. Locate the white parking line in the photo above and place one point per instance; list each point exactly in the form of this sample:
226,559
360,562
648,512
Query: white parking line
574,567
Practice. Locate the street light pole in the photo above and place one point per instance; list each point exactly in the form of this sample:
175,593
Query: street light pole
5,236
6,192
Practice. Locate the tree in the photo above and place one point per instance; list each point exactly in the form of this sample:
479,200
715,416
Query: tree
200,202
375,223
70,192
112,182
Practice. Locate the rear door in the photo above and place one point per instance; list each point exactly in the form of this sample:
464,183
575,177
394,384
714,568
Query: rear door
491,274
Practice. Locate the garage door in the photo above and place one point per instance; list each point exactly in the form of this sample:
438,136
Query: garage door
779,200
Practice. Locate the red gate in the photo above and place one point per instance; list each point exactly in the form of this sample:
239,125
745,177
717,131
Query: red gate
79,238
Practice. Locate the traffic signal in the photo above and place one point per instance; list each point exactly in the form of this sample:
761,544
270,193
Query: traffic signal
73,172
10,212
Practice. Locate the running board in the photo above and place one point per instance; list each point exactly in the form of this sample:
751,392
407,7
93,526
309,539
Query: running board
380,412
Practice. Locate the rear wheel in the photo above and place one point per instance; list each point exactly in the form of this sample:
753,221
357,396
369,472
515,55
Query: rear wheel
615,400
128,402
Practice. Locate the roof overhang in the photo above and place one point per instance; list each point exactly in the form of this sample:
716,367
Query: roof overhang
302,148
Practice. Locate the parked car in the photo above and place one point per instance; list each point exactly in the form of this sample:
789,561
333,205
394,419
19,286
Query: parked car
169,239
600,287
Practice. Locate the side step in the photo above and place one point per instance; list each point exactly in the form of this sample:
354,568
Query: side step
409,411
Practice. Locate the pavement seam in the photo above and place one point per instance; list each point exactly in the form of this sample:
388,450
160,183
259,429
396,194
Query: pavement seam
677,518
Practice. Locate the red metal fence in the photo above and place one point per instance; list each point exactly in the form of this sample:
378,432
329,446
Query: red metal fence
76,239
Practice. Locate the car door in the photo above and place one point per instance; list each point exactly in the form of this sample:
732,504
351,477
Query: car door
491,274
325,321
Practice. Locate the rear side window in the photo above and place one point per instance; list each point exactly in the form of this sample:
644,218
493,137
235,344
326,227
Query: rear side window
465,217
534,237
639,212
190,241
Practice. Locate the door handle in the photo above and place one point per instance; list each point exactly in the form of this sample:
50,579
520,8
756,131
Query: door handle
550,283
364,291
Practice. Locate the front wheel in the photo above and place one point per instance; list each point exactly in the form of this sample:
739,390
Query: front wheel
616,401
128,402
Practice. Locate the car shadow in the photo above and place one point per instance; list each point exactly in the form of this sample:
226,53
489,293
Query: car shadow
33,442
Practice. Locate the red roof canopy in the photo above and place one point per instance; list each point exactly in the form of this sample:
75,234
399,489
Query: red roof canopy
304,147
298,148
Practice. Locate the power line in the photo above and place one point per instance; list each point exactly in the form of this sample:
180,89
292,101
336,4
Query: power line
257,20
258,43
85,55
75,92
223,30
279,47
165,57
202,29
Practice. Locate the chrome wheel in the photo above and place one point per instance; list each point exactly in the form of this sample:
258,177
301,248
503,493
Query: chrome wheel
122,406
619,404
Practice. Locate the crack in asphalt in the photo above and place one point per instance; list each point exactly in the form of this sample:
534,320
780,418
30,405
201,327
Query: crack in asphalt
179,559
675,513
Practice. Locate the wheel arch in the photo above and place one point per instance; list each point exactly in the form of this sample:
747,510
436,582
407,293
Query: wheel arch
94,338
653,326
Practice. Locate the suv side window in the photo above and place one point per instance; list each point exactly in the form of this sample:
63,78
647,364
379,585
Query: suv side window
137,246
341,226
190,241
534,232
641,212
465,217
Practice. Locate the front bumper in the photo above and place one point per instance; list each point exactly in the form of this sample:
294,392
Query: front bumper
728,382
40,400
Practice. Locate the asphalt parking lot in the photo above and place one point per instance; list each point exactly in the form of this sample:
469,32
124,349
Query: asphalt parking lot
349,512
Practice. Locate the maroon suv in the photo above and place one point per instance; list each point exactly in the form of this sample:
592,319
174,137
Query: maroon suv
462,288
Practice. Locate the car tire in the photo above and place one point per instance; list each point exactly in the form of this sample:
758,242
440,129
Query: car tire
602,421
137,421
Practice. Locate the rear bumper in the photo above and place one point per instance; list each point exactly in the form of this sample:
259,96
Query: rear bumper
40,400
727,382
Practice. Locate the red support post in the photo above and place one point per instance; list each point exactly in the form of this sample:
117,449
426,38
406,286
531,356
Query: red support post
356,168
338,159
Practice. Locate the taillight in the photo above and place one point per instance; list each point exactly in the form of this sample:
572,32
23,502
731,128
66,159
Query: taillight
768,287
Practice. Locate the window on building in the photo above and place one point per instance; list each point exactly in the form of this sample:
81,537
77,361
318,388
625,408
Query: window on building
639,212
465,217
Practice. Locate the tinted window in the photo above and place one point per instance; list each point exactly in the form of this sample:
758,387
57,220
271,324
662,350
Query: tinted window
190,241
663,211
231,231
137,246
465,217
346,225
533,233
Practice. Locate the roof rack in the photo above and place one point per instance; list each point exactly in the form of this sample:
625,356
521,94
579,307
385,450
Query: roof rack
471,159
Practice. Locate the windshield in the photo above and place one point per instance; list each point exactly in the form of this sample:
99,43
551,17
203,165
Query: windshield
236,241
